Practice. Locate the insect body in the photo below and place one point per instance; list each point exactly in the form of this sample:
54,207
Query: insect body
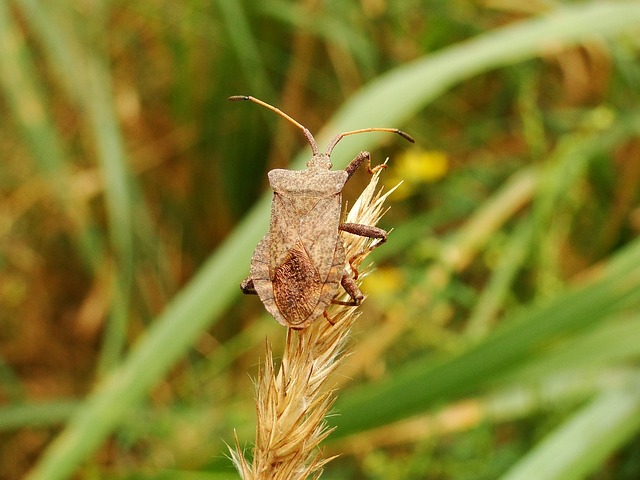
298,266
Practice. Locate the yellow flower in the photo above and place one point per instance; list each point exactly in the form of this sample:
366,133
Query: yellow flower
415,167
384,281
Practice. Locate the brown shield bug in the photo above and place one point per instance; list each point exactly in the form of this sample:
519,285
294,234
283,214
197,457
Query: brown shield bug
297,267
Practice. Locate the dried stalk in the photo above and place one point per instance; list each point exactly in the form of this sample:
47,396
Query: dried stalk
292,404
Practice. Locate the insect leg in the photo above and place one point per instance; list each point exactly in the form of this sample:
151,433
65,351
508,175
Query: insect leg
329,319
247,286
363,231
362,157
350,286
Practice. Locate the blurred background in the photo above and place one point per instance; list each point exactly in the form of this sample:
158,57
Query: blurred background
501,336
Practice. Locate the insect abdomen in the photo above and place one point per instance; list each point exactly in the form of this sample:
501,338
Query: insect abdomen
296,286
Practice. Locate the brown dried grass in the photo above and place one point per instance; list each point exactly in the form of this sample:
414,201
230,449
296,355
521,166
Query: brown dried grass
293,401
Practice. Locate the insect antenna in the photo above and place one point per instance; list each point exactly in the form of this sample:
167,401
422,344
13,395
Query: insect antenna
305,130
340,136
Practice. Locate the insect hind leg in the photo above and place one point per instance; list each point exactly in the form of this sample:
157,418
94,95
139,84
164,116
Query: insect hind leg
350,286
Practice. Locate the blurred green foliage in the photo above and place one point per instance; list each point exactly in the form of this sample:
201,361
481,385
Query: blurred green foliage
499,339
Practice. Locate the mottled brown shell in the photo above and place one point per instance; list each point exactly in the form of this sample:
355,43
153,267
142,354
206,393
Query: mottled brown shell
297,267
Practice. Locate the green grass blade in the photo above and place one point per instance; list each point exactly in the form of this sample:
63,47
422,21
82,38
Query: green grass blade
581,444
245,47
36,415
85,76
418,386
118,194
391,100
26,100
607,345
485,312
201,302
65,55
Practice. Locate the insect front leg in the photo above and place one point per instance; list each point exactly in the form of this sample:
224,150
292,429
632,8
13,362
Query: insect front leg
247,286
363,231
362,157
